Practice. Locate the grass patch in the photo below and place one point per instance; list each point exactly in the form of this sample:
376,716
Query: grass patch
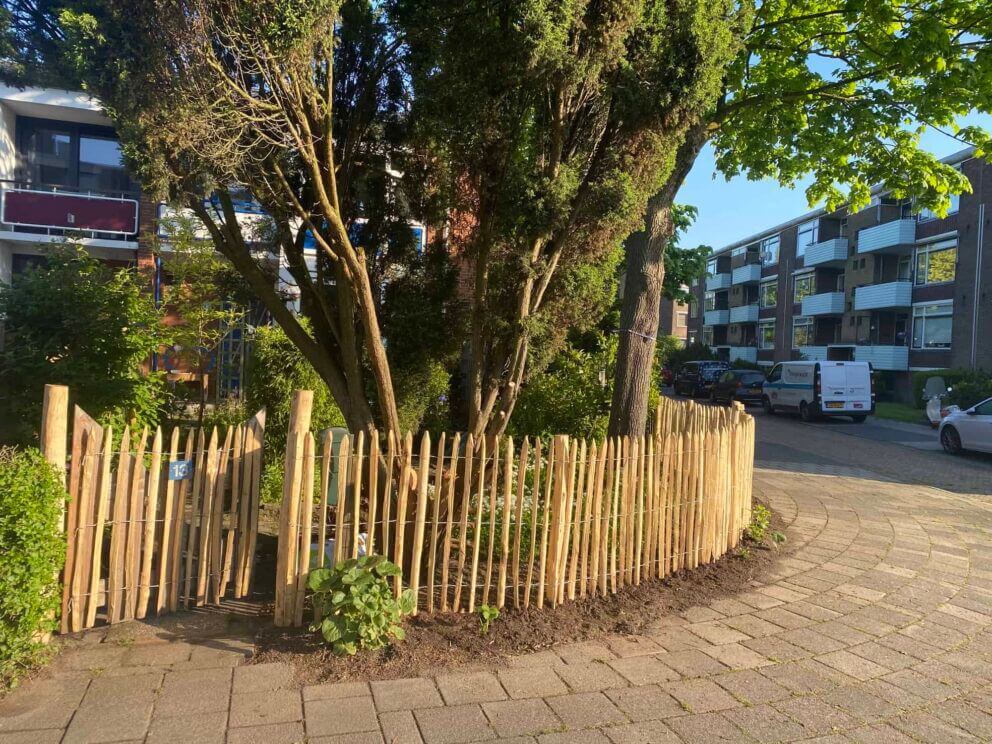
900,412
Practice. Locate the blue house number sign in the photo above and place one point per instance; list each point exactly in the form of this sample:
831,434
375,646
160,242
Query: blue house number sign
180,470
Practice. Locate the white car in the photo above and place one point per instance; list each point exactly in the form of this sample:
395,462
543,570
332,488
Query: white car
970,429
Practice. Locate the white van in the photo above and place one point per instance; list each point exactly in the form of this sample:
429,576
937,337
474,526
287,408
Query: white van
820,389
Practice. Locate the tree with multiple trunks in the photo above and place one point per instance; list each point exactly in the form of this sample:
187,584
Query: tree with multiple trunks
539,135
840,90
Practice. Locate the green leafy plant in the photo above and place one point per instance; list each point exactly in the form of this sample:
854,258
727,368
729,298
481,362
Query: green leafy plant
761,518
487,613
357,605
31,554
75,321
778,538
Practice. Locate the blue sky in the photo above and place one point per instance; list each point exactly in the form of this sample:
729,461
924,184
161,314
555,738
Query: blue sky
730,210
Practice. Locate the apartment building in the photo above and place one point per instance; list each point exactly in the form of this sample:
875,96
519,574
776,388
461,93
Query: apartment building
905,292
674,319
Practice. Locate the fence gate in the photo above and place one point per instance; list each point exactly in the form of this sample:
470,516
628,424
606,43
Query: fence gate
155,523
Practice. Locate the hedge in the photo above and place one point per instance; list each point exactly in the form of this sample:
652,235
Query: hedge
31,554
968,386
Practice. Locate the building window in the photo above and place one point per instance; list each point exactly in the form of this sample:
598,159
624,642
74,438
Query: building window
802,331
807,235
683,319
768,294
739,250
804,287
932,326
73,156
769,251
711,267
708,335
693,307
766,335
935,263
709,301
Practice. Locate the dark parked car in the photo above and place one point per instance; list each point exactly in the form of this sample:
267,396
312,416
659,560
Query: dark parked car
743,385
696,378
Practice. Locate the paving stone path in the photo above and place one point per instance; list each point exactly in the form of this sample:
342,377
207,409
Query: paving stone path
876,628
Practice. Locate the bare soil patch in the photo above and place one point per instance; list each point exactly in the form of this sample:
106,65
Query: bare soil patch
436,643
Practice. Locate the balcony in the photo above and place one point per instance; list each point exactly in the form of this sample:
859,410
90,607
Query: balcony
897,236
744,314
744,353
746,274
883,296
831,252
716,317
883,357
814,353
826,303
45,214
717,282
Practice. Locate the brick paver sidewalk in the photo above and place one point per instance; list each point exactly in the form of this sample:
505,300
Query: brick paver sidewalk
875,629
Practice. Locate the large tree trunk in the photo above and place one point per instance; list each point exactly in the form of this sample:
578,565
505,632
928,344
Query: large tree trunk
641,304
639,317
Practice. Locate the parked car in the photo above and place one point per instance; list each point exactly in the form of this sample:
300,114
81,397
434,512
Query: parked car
695,379
970,429
742,385
815,389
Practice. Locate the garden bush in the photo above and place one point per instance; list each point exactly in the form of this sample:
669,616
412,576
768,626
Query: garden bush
968,386
357,604
31,554
74,321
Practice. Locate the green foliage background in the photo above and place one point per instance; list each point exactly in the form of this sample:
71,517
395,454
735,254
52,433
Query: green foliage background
75,321
31,554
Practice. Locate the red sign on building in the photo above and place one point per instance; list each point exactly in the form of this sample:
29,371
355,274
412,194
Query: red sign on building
29,208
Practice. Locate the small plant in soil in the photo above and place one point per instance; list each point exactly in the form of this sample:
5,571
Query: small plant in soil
487,614
761,518
778,538
358,608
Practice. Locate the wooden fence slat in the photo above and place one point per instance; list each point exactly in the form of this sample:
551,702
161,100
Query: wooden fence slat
435,527
344,453
71,514
449,522
356,524
150,524
507,515
575,516
132,566
493,508
418,531
535,514
230,533
407,479
305,528
286,556
217,518
387,495
196,507
588,517
463,523
168,525
477,528
102,508
79,579
118,532
518,519
206,519
325,485
373,493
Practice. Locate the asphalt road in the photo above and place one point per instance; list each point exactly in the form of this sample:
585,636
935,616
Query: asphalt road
904,453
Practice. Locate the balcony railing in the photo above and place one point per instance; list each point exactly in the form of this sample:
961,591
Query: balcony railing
826,253
718,281
883,357
744,314
825,303
896,236
746,274
744,353
716,317
883,296
55,211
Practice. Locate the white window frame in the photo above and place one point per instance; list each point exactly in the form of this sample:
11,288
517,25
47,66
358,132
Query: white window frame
920,315
711,262
811,227
707,296
682,319
926,249
765,249
739,250
762,325
707,336
801,321
761,286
